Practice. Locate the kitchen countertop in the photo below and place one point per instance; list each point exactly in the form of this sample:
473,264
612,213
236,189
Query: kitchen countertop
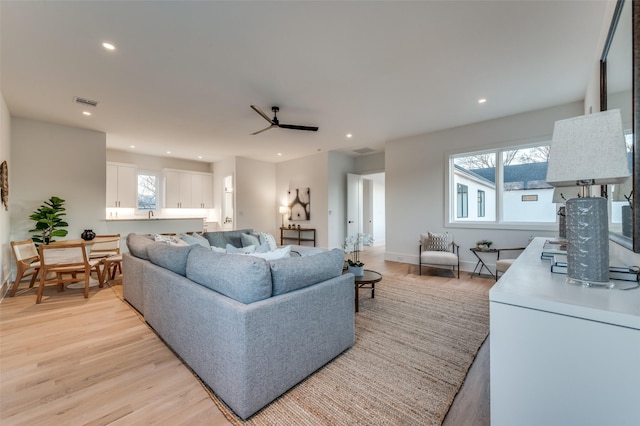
151,219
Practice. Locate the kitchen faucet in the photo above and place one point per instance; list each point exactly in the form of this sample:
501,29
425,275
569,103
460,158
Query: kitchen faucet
150,214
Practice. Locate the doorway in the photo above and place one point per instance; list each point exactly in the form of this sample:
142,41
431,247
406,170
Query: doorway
366,205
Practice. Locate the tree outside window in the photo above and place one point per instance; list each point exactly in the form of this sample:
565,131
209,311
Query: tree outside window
147,191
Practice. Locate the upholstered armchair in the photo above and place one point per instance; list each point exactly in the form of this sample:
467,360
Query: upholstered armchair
506,257
438,250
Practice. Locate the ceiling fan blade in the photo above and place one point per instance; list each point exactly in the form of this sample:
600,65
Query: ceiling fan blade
294,127
264,130
259,111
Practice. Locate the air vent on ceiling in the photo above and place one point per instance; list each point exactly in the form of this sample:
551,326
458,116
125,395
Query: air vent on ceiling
84,101
364,151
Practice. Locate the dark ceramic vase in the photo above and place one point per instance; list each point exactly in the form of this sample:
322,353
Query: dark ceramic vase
88,235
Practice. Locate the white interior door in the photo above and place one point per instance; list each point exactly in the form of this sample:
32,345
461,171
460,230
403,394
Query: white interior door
227,204
367,206
354,204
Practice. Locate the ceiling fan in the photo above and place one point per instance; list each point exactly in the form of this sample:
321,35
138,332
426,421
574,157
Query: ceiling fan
275,123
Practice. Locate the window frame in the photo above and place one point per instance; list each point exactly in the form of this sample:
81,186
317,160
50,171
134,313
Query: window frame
499,223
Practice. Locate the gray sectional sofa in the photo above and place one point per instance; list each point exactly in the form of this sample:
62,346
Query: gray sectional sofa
249,328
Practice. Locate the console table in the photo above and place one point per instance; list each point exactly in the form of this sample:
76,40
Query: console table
299,235
562,354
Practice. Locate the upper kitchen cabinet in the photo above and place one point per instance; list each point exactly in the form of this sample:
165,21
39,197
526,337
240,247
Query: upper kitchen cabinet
185,189
121,185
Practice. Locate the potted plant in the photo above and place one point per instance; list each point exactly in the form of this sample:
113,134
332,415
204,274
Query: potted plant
352,246
49,221
484,244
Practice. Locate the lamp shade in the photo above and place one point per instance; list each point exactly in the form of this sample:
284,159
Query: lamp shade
562,194
283,209
623,190
589,148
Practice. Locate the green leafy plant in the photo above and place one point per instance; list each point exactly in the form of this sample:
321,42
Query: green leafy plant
49,221
486,243
352,246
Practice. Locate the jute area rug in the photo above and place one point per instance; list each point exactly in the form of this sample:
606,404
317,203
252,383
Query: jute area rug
415,343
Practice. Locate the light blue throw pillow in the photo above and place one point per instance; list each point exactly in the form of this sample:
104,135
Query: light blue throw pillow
249,240
195,239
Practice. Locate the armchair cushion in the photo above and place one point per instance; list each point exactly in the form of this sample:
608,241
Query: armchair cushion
435,242
439,258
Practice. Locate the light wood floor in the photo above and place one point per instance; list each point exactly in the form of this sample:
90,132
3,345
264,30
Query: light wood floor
93,361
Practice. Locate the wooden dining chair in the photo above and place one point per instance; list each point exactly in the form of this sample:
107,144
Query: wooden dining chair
110,267
70,263
102,250
27,263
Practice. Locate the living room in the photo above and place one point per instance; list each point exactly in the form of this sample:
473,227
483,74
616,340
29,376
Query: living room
52,157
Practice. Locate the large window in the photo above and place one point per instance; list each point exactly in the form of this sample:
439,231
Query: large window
147,191
509,183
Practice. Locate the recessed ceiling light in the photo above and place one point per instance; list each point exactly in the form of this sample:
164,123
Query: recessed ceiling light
482,100
279,154
168,152
349,135
132,146
86,113
108,46
200,157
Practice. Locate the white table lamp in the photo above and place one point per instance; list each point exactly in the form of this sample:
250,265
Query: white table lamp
585,151
283,210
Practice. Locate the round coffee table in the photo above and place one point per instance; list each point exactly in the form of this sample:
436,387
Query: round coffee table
367,280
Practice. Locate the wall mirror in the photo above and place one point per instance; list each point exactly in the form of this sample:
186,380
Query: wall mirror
619,87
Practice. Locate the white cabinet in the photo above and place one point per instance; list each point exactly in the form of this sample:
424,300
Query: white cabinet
202,191
184,189
177,189
121,185
562,354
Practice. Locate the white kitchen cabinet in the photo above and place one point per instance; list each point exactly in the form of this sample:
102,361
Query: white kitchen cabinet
121,185
202,190
185,189
562,354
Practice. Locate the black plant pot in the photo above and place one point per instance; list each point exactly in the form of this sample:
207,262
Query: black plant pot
88,235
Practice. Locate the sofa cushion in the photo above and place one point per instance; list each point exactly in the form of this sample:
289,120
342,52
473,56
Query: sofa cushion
246,279
195,239
139,244
222,238
249,240
267,238
240,250
168,239
293,273
173,258
278,253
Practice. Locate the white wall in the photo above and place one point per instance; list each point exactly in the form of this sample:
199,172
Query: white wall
154,163
255,187
339,165
6,258
415,180
311,172
51,159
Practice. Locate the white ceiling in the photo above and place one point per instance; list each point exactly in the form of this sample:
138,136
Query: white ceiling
184,74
